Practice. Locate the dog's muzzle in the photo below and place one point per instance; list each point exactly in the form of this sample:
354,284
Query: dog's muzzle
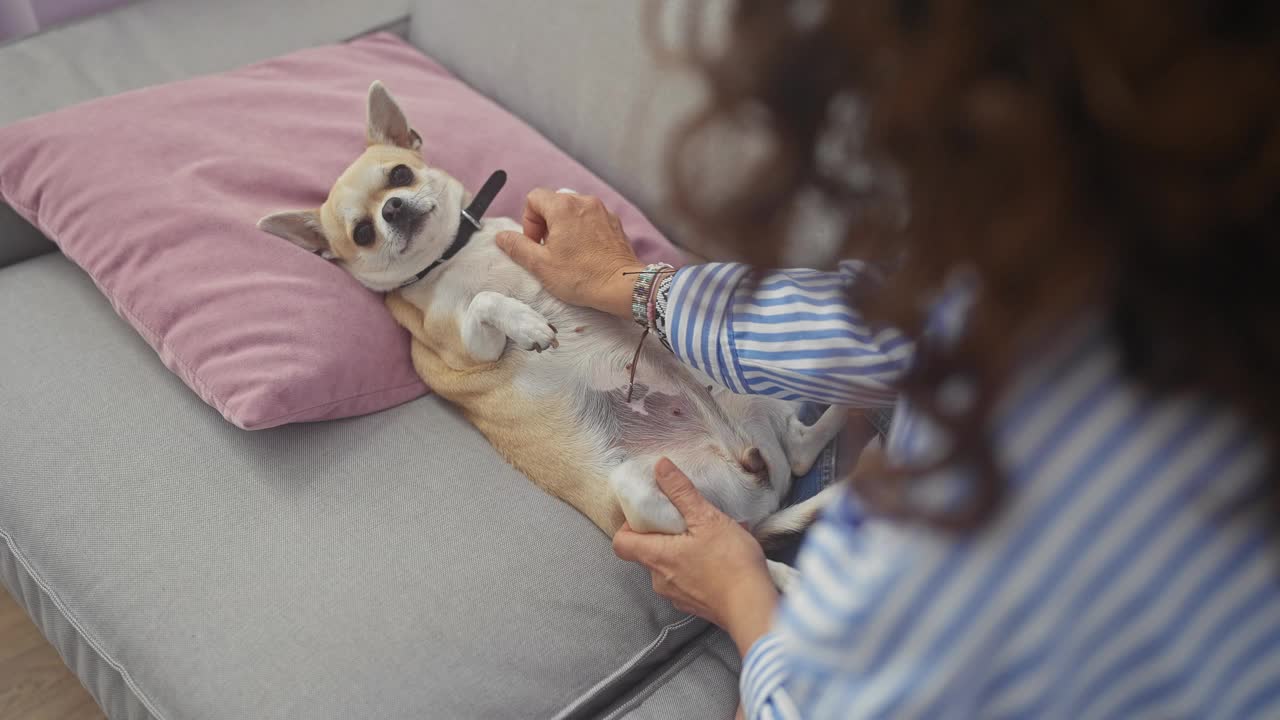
398,213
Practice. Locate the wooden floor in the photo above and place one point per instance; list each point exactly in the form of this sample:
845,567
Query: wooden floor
34,684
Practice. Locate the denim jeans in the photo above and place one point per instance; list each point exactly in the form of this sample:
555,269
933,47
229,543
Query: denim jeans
823,472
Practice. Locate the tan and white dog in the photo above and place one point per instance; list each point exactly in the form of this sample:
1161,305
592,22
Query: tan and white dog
560,416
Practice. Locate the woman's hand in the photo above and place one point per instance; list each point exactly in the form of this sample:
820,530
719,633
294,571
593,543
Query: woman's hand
584,252
715,569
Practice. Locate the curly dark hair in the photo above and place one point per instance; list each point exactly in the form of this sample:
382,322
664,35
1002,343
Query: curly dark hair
1120,154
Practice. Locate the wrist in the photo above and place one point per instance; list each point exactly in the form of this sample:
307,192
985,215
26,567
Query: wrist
615,294
749,612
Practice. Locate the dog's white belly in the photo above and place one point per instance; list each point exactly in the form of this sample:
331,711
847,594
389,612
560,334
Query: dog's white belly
673,410
592,368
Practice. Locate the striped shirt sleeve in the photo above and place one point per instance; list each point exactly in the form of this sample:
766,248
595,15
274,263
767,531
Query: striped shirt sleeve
1131,572
790,334
763,674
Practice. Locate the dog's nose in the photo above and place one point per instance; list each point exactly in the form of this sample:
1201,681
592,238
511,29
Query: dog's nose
391,209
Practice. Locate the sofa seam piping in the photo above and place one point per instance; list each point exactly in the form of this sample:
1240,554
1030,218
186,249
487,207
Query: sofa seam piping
626,667
682,661
84,635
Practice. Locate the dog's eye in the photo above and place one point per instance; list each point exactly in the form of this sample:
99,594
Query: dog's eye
401,175
364,234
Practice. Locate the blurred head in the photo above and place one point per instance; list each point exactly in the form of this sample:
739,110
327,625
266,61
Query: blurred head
1070,154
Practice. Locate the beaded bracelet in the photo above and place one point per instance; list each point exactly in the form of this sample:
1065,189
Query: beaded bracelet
661,293
644,294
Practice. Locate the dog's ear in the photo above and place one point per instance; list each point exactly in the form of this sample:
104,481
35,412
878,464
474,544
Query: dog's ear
387,123
300,227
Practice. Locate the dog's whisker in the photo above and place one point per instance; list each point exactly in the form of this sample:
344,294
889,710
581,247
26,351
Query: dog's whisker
426,192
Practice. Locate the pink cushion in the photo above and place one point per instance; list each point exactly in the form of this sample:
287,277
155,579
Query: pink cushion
155,194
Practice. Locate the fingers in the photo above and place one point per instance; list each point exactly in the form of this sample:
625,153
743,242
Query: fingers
524,251
544,208
680,491
616,224
534,224
542,202
538,204
632,546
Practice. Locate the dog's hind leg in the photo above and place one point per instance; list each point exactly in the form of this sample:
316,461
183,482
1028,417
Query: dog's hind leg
804,443
783,575
643,503
647,509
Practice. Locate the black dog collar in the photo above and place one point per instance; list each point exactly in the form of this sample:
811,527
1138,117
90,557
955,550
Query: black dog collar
468,224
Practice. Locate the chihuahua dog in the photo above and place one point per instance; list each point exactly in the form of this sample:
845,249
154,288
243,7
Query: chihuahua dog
547,383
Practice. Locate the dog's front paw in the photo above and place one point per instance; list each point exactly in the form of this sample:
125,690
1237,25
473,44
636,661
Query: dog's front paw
531,331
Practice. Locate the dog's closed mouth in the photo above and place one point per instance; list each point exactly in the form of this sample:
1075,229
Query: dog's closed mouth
414,228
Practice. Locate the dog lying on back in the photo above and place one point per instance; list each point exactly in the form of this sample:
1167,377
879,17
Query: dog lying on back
547,383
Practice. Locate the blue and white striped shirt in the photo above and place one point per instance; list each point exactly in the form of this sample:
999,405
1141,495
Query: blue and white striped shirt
1133,572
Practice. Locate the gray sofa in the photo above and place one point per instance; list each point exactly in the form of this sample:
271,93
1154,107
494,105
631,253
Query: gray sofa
389,566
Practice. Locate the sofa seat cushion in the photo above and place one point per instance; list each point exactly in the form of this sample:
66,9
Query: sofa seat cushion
388,566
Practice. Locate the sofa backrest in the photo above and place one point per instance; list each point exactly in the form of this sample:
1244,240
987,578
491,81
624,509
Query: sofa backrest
580,71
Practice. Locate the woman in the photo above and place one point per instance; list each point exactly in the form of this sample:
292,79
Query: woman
1069,211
